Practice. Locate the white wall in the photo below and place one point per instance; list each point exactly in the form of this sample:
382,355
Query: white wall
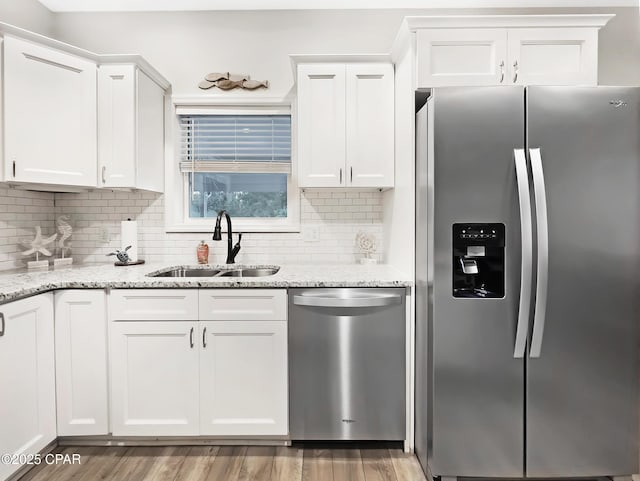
27,14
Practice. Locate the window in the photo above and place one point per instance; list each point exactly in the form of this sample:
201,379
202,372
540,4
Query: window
240,163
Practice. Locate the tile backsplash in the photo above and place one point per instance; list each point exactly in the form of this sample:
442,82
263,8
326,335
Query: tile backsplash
337,216
20,212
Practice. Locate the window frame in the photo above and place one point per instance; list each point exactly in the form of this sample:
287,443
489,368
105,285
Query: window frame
176,204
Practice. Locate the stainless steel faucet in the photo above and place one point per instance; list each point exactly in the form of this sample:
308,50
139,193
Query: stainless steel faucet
232,251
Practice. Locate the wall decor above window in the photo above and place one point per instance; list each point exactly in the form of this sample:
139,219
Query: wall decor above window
227,81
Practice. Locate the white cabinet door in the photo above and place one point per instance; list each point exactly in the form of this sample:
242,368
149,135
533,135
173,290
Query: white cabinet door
130,128
154,378
321,125
553,56
49,115
27,378
81,362
150,134
243,378
461,56
116,125
370,125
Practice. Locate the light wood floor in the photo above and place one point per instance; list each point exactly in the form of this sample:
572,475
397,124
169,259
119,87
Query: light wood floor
232,463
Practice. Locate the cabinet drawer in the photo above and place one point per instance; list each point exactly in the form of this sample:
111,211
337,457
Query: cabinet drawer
243,304
153,305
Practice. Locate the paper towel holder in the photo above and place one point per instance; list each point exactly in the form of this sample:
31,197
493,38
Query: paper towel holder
129,238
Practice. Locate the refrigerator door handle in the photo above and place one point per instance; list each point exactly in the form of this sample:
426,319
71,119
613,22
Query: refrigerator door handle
526,268
542,227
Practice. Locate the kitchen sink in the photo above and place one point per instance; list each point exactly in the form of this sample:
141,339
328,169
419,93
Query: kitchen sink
249,272
230,272
183,272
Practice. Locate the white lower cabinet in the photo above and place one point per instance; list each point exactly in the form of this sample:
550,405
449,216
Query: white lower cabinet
154,376
81,362
212,377
27,378
243,378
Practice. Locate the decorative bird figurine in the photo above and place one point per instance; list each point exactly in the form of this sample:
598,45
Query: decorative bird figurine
65,230
37,245
122,255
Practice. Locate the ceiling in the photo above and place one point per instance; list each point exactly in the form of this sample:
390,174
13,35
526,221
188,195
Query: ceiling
177,5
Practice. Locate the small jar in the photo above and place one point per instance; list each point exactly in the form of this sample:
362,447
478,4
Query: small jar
203,253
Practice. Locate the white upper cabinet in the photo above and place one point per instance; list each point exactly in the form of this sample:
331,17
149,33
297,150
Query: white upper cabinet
27,379
49,115
453,57
130,129
370,124
345,124
321,125
73,120
507,49
552,56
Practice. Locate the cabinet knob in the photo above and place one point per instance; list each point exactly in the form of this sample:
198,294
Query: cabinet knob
340,175
14,168
351,175
502,71
515,71
204,337
2,326
104,174
191,338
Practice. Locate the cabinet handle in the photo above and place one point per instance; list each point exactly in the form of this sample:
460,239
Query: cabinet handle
515,71
14,168
2,329
104,174
351,174
191,338
502,71
204,337
340,175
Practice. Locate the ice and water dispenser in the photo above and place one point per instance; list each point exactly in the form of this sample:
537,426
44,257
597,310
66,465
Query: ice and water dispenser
478,260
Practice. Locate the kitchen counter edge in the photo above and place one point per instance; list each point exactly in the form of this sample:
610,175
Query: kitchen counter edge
18,285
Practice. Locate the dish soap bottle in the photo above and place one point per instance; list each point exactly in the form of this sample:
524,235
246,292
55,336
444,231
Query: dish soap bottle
203,253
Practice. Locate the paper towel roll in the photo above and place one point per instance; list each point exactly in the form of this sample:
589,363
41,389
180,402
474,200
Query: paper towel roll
129,236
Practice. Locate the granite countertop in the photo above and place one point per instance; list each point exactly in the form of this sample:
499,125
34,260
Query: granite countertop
19,284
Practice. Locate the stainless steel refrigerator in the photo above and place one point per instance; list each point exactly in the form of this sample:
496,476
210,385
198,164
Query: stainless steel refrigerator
528,281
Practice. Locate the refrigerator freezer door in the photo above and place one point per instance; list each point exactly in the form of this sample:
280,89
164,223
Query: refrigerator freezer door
582,390
478,395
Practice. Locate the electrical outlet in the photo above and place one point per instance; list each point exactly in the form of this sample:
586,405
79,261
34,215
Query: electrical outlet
103,234
311,233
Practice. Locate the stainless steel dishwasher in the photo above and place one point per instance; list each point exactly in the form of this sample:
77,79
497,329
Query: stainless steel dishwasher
347,364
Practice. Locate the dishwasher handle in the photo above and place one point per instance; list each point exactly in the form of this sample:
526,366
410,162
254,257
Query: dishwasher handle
374,301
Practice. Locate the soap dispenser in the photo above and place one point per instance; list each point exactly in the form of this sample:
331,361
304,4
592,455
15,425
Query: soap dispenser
203,252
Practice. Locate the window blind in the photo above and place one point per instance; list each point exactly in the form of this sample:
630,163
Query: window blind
235,143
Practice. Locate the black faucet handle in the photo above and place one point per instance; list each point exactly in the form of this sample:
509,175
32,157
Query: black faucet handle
236,249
